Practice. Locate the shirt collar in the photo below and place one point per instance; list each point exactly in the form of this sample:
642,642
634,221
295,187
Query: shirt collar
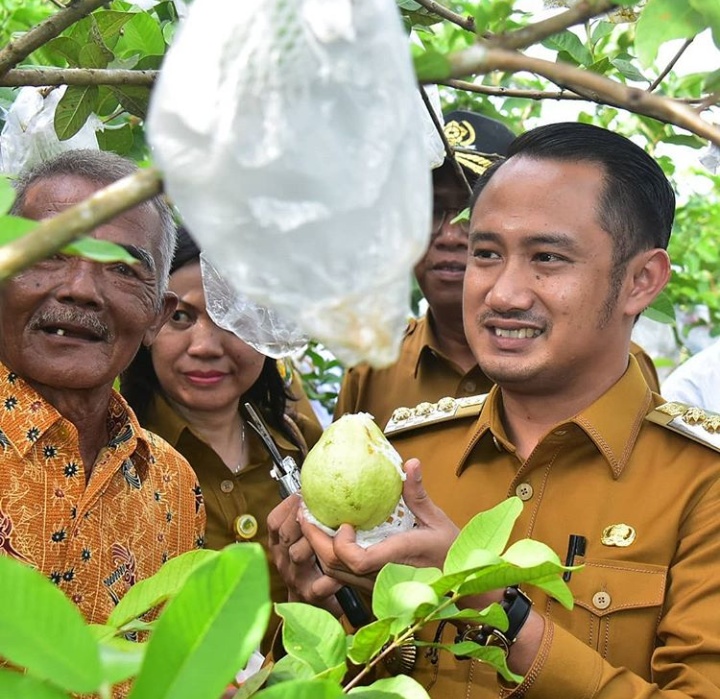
420,339
26,415
612,422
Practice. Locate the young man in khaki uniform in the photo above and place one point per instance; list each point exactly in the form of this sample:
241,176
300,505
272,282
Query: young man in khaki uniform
567,247
435,359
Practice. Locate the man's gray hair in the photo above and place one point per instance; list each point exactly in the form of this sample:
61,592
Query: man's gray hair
103,168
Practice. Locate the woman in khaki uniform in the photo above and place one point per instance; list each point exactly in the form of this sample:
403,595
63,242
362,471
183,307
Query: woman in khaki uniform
190,387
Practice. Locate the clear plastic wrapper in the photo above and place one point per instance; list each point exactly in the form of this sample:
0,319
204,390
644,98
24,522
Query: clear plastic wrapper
259,326
300,164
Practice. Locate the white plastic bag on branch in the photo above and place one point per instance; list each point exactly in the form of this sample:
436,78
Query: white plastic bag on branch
28,136
259,326
291,140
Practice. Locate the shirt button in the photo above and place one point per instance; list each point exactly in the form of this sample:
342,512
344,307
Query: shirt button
470,386
245,527
601,600
227,486
524,491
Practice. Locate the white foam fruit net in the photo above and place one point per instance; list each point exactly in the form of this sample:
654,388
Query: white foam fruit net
400,520
299,163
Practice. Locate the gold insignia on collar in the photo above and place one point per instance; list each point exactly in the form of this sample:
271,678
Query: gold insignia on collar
672,409
430,413
618,535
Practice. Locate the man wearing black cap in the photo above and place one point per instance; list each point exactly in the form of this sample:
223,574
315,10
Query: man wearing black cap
435,359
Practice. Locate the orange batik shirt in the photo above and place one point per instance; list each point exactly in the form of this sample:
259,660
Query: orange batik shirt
141,506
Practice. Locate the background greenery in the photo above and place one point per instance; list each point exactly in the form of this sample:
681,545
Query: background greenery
622,65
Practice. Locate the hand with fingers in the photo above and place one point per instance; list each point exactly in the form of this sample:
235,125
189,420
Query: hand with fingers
295,560
424,546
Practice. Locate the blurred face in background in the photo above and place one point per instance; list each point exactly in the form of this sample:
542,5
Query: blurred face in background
441,271
200,366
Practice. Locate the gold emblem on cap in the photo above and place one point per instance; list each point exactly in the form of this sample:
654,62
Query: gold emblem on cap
618,535
245,527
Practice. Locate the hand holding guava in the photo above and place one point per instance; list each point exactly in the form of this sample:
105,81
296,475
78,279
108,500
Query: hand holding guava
426,545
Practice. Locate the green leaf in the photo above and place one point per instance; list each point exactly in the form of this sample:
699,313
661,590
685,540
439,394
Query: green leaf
18,686
167,582
369,640
94,56
661,309
7,195
661,21
208,631
302,689
391,575
628,70
493,615
43,631
109,24
312,635
431,66
66,47
398,687
710,10
118,141
73,109
488,530
506,574
568,42
290,668
141,35
527,553
253,683
99,251
133,98
711,82
121,659
601,30
488,654
557,588
406,598
14,227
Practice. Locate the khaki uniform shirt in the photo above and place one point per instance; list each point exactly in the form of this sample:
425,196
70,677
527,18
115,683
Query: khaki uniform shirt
231,499
423,373
646,620
94,539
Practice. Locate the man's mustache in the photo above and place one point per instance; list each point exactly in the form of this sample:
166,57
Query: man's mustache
72,316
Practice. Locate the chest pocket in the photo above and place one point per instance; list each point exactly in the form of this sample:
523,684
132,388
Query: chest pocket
617,610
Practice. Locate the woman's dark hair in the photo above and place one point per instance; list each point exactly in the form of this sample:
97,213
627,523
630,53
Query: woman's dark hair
139,382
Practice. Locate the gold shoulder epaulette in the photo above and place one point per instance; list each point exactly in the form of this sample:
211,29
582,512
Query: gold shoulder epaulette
448,408
695,423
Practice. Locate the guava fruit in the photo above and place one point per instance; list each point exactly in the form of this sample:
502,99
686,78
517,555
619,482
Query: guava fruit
352,475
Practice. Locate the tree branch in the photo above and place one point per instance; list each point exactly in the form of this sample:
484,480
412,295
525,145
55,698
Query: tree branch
20,49
496,91
41,77
436,8
54,233
449,150
670,65
480,59
535,33
558,95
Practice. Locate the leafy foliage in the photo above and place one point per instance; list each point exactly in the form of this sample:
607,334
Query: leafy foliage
215,606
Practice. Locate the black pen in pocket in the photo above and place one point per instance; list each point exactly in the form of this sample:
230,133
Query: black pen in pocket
576,547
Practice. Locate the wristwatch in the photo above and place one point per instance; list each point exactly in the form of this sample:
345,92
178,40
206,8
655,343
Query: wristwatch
516,605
